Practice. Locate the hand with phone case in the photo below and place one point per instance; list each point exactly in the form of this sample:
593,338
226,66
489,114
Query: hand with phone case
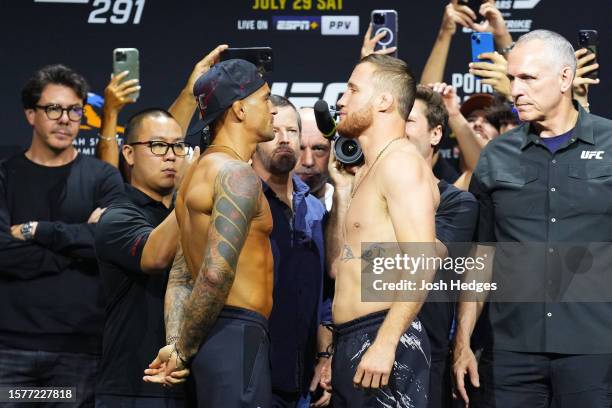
117,94
369,43
455,13
120,92
481,43
586,65
473,5
589,39
493,22
384,27
203,66
127,59
185,105
493,72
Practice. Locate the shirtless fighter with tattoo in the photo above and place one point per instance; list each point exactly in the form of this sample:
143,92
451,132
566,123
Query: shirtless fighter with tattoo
381,356
219,328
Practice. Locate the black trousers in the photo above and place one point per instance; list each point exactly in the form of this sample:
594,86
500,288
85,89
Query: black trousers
232,367
37,368
514,379
118,401
440,385
284,399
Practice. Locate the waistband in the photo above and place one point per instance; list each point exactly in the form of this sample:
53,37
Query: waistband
368,321
239,313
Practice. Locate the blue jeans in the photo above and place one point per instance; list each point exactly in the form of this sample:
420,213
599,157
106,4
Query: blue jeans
28,368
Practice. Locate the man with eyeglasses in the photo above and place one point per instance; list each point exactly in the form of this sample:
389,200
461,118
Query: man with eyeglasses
136,242
50,200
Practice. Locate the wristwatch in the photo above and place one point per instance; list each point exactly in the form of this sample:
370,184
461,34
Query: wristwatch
507,49
27,230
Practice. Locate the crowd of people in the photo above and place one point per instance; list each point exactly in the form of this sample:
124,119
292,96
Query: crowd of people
162,274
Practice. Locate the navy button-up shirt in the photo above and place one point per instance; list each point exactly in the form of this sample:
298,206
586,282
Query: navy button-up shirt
298,251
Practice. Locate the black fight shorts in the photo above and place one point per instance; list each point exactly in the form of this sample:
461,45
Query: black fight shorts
409,381
232,367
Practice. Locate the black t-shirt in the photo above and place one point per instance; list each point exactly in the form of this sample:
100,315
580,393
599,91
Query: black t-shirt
134,329
448,149
455,222
49,287
556,142
445,171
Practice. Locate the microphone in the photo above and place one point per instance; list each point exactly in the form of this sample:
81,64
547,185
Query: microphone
325,122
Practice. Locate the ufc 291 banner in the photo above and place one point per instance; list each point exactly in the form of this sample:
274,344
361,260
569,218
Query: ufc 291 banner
316,44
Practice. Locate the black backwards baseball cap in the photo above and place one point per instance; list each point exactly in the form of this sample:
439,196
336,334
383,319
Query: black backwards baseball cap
226,82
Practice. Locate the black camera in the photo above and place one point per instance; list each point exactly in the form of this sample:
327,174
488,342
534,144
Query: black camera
120,56
347,151
378,18
266,56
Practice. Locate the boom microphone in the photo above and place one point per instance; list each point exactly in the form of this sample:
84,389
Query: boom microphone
325,122
347,151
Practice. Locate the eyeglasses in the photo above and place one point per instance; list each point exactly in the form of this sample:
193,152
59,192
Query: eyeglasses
159,148
55,111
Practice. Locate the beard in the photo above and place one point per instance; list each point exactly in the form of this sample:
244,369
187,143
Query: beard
354,124
278,164
317,185
315,182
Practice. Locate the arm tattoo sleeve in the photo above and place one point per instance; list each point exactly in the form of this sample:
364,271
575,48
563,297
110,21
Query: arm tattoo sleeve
179,288
236,193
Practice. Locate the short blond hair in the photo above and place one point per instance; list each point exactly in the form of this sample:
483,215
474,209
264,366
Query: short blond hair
393,75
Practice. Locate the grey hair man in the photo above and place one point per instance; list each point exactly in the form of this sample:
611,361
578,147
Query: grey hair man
537,185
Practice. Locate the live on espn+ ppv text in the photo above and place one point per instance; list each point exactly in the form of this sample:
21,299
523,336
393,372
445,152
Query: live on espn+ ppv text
315,42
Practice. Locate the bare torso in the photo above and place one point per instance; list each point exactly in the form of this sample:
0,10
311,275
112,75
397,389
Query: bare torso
252,286
367,220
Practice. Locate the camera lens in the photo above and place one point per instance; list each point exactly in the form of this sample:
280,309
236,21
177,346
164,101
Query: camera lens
349,148
121,56
474,37
348,151
379,18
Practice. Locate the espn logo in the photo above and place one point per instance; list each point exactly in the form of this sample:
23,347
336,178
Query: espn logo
588,155
288,23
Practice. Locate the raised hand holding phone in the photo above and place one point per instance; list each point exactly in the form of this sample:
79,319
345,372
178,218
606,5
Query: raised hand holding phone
385,25
127,59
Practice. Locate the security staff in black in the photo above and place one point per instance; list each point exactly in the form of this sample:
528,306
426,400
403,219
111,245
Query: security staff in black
542,185
135,244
